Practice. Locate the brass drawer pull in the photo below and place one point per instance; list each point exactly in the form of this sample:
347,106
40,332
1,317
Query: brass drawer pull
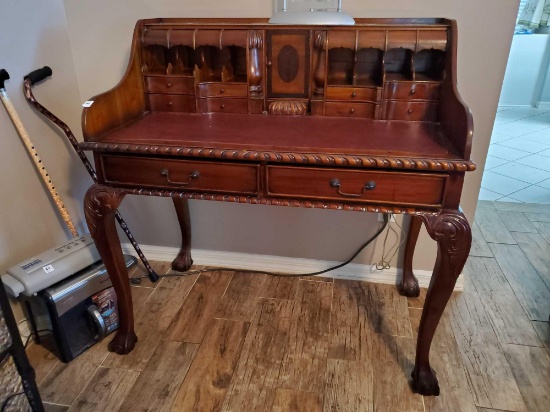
352,111
354,94
413,91
335,183
410,111
194,175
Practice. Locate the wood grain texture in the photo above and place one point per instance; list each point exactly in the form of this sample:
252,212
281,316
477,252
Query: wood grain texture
280,287
241,297
418,303
503,310
479,245
538,217
52,407
106,391
527,208
180,280
489,375
151,323
531,368
66,380
206,384
537,251
195,316
529,288
517,222
139,271
447,361
42,360
257,375
492,227
544,229
543,330
304,364
349,386
157,385
287,400
392,362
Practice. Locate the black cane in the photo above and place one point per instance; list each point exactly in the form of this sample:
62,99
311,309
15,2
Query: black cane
39,75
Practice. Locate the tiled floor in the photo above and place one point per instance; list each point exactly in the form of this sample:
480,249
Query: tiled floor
518,163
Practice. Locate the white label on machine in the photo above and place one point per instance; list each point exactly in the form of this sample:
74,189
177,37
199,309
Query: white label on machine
48,268
88,103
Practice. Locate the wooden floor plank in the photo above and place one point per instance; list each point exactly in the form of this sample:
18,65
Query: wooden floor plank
393,362
492,227
257,375
177,279
317,278
544,230
418,302
42,360
528,286
241,297
52,407
504,311
349,386
304,364
488,372
516,222
157,385
195,316
206,384
531,368
538,217
139,271
280,287
151,322
446,360
538,252
288,400
521,207
106,391
66,380
543,330
479,245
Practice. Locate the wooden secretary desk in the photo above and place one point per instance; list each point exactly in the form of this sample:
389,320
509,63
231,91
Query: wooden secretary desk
360,118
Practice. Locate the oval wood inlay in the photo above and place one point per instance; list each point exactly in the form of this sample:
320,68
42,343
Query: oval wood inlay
289,62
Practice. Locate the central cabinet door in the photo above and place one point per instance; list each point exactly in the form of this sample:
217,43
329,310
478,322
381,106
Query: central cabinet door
288,60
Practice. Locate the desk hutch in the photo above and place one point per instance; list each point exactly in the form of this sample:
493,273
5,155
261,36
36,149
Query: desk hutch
358,118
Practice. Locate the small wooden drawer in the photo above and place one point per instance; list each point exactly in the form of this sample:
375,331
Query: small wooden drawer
412,91
223,90
371,94
217,105
369,110
171,103
413,111
180,174
169,84
424,189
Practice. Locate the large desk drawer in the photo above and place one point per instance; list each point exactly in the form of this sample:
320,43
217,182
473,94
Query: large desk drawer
357,185
180,174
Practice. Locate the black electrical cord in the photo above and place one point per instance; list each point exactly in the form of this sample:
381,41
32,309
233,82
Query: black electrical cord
137,280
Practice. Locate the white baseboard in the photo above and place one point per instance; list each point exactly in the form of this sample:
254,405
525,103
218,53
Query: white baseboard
281,264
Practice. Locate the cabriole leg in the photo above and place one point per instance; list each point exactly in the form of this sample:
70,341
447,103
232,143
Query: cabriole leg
409,284
100,205
183,261
454,237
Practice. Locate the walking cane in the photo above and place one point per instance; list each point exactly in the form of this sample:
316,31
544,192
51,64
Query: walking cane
39,75
33,153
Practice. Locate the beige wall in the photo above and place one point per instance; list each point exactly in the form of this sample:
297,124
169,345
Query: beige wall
33,33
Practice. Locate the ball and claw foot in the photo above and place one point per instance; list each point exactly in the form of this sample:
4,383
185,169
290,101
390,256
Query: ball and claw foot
424,382
123,343
409,287
182,262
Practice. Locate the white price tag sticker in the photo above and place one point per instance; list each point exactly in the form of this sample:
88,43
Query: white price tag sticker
48,268
88,103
